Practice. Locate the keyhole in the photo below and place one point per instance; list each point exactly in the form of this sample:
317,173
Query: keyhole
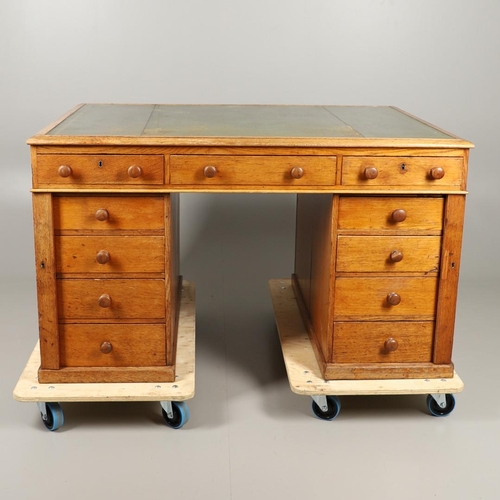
403,167
99,164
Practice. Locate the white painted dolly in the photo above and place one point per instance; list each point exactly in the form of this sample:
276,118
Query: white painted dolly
171,395
305,377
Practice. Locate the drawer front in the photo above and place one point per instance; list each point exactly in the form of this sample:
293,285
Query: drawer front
118,254
109,213
390,298
108,299
112,345
216,170
388,214
402,171
81,170
367,254
381,342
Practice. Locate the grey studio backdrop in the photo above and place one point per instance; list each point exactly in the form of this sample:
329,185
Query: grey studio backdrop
249,436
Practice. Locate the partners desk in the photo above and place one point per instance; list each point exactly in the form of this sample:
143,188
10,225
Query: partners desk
380,210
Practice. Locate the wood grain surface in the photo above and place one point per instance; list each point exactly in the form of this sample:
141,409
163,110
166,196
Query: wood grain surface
98,169
364,342
132,345
401,171
129,299
77,254
366,298
252,170
368,254
369,214
124,213
45,267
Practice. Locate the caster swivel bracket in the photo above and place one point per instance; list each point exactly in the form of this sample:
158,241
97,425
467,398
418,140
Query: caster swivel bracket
321,402
167,406
440,399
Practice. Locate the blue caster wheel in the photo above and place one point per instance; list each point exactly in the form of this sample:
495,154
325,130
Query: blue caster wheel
437,410
180,416
332,411
54,417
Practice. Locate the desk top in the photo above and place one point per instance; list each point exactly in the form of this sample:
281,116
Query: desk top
243,125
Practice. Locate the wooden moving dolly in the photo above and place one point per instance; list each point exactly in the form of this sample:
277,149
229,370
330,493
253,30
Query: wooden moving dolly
172,396
305,377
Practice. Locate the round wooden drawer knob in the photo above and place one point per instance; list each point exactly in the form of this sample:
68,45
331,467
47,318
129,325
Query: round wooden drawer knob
391,344
393,298
134,171
104,300
297,172
102,214
64,171
102,257
396,256
210,171
437,172
399,215
371,173
106,347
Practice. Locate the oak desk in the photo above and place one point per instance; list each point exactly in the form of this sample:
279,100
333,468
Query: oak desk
380,208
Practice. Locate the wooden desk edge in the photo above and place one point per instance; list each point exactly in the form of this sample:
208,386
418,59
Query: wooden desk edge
244,141
233,189
29,390
302,368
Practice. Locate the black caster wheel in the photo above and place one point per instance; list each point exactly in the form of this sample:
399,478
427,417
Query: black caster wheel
54,418
437,410
333,410
180,412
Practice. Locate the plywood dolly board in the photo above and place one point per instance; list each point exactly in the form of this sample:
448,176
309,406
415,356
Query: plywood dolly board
172,396
305,377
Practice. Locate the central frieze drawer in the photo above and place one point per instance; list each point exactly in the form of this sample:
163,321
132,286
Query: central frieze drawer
110,254
385,298
112,345
219,170
107,299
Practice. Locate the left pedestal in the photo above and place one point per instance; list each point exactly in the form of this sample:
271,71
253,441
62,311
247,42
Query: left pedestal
108,281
